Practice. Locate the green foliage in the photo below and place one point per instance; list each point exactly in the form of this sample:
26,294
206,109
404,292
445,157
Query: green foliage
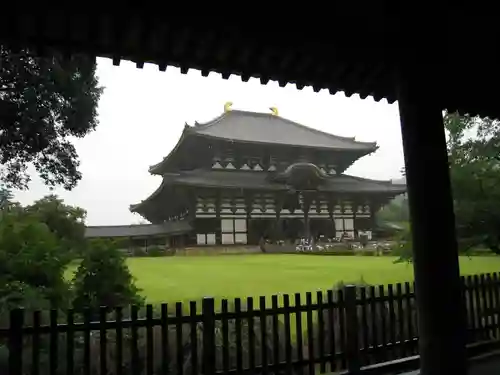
66,222
404,248
156,251
30,254
395,211
103,278
44,102
473,145
6,197
139,252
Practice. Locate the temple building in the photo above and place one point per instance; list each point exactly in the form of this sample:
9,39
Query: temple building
244,176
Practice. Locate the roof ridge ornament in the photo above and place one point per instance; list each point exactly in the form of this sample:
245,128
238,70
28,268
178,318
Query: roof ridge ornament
227,106
274,110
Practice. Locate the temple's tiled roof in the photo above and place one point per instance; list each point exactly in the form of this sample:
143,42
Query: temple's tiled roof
109,231
260,180
166,200
258,127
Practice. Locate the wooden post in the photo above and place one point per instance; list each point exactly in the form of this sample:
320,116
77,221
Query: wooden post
351,330
208,358
441,312
16,342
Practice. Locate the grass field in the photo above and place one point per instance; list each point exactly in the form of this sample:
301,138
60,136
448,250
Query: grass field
171,279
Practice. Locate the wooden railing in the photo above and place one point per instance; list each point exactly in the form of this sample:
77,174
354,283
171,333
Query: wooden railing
352,330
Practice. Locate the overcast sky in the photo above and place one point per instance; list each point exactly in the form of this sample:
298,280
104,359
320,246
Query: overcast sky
142,113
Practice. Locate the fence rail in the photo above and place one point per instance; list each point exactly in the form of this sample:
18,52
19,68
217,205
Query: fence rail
351,329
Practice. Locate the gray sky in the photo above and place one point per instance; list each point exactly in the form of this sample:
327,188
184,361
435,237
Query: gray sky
142,114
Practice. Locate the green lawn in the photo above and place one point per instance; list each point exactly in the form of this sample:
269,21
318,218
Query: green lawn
170,279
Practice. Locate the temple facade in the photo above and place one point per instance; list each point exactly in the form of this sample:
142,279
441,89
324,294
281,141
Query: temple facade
245,176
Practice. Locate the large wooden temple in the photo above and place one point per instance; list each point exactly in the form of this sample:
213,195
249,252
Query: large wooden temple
245,176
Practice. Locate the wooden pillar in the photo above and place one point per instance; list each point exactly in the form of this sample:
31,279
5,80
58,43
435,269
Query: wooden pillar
441,311
278,206
306,204
248,196
218,203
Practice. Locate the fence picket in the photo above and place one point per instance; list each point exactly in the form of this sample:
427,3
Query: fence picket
70,342
251,336
178,339
364,325
86,341
276,338
298,332
165,352
134,339
119,340
471,307
401,321
409,318
310,333
342,332
16,321
392,321
53,344
496,311
331,330
102,340
194,337
239,345
352,330
321,332
225,337
383,331
149,340
373,321
478,307
491,306
484,304
263,334
288,334
35,342
370,326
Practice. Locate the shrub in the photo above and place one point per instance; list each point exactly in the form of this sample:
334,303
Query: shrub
156,251
31,256
139,252
103,279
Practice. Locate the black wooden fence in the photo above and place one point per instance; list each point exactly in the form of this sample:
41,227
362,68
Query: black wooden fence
345,330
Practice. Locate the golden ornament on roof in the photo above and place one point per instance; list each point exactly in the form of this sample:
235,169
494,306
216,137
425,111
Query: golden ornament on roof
274,110
227,106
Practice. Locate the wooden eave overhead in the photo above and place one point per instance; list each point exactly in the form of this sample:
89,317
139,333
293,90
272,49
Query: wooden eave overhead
364,49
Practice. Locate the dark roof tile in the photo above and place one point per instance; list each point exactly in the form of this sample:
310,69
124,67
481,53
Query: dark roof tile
257,127
109,231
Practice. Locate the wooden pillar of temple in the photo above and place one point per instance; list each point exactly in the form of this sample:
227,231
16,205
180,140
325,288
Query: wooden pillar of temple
306,204
218,204
248,197
278,205
441,310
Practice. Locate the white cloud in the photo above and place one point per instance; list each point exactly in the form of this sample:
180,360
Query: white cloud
142,113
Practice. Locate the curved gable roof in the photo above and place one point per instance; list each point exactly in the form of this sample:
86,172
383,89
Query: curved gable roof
255,127
265,128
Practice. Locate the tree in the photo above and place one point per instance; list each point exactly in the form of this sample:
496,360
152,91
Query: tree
30,259
103,278
66,222
395,211
473,145
43,102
